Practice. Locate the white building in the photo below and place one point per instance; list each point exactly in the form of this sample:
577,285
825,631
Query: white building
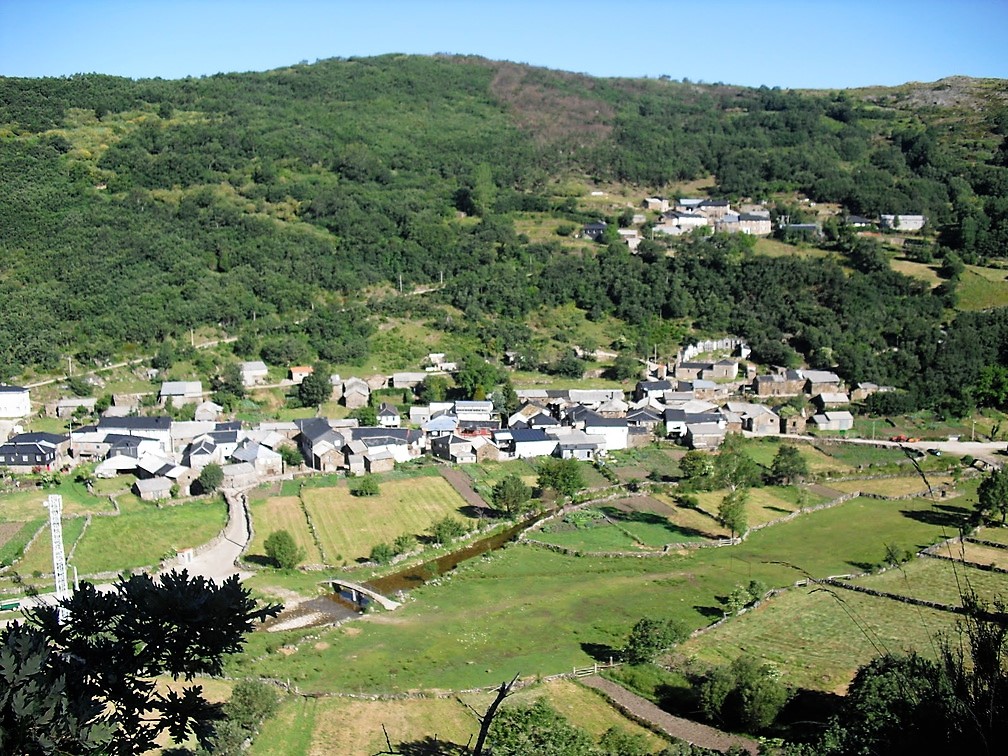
14,401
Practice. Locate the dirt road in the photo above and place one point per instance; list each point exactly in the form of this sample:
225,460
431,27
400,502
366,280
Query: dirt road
684,729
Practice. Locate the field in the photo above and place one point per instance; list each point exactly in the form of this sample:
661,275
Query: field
982,288
817,638
353,728
763,505
631,525
893,487
486,475
39,557
986,555
938,580
28,504
638,464
993,534
281,513
143,534
527,610
349,526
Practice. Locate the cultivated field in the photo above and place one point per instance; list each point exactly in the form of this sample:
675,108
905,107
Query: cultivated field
907,485
986,555
39,557
532,611
634,524
281,513
349,526
938,580
818,638
763,505
144,534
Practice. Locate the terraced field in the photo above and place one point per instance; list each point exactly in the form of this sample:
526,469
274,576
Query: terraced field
281,513
818,638
938,580
143,534
349,526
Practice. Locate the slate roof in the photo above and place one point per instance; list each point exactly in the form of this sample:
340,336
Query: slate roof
162,423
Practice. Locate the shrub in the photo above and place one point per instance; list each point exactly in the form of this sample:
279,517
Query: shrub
366,486
283,550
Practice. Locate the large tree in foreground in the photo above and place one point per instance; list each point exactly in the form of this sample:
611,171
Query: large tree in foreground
86,684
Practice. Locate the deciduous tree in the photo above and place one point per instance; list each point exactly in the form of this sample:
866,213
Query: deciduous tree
283,549
511,495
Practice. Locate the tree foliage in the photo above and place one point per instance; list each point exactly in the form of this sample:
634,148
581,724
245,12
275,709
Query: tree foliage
367,485
562,475
992,495
447,529
86,684
211,477
524,729
746,695
732,511
788,465
649,637
281,547
315,389
510,495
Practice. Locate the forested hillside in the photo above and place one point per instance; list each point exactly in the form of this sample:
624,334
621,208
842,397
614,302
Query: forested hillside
275,205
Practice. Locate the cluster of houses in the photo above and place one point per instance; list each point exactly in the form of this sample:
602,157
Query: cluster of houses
686,214
694,401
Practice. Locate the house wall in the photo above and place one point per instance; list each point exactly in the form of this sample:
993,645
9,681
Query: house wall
15,404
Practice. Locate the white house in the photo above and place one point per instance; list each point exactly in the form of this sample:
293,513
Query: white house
902,222
181,392
253,373
14,401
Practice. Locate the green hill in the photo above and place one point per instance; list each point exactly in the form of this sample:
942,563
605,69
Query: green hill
275,206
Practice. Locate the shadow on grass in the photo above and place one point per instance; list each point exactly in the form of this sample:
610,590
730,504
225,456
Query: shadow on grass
939,515
601,652
779,509
430,746
807,714
711,612
474,512
650,518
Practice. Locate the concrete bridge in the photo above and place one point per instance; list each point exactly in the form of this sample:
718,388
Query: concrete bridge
357,590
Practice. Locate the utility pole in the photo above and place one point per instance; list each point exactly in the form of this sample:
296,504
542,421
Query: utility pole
55,506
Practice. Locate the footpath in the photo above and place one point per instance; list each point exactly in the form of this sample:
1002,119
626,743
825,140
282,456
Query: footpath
684,729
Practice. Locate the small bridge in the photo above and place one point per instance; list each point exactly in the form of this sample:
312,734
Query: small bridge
356,590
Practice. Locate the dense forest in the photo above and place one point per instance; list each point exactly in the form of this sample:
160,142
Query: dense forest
265,204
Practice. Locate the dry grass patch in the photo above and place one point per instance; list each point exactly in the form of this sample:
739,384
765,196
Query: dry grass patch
986,555
928,273
891,487
349,526
282,513
686,517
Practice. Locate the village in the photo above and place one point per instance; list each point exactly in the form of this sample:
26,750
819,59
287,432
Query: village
707,392
684,215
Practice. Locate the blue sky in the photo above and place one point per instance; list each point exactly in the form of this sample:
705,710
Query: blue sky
787,43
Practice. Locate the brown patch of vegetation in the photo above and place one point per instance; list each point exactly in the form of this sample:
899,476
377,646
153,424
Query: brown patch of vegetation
543,103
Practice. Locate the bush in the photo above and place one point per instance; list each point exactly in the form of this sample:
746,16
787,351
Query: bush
211,477
283,550
366,486
746,695
382,553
